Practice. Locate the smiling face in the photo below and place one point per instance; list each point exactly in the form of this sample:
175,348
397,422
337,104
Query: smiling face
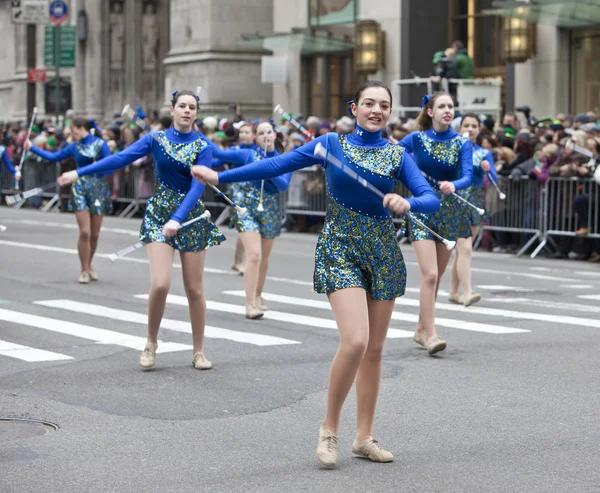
373,109
442,112
265,135
184,112
471,125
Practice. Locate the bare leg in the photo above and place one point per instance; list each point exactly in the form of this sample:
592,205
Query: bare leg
160,256
252,246
443,257
266,248
368,377
426,253
192,264
96,224
83,242
464,249
238,257
352,318
454,279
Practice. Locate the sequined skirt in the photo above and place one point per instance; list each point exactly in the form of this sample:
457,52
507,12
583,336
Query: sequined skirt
90,193
267,223
477,197
355,250
194,238
451,221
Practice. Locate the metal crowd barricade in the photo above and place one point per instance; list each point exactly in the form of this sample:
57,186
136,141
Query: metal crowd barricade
559,214
521,211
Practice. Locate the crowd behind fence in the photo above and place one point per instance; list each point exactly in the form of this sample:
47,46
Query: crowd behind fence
533,216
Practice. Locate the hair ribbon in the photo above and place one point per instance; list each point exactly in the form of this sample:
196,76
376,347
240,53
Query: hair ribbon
425,100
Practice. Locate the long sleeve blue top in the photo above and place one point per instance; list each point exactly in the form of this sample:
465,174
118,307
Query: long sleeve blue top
6,159
368,154
481,154
444,156
174,153
243,157
86,151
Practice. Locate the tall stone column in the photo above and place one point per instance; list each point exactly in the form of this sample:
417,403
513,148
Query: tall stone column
93,66
204,52
133,50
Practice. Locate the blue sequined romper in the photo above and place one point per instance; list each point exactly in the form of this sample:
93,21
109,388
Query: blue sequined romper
89,193
267,222
475,193
177,195
443,156
357,247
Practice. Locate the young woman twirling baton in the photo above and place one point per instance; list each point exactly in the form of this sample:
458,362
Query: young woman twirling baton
446,157
358,262
90,198
175,200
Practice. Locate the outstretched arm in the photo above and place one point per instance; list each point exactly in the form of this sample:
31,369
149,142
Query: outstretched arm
424,199
113,162
54,157
276,166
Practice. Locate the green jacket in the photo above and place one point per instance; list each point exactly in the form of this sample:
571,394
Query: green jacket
465,65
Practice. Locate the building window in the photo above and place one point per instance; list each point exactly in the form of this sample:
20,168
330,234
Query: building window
585,72
331,82
482,33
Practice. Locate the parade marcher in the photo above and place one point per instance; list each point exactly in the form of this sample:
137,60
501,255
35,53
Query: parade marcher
246,141
358,262
261,223
483,163
90,199
445,157
175,200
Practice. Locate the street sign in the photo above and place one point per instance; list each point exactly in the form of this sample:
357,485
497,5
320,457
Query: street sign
67,46
36,75
59,12
29,11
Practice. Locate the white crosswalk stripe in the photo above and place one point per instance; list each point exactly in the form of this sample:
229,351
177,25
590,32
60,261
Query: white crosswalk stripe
292,318
405,317
176,325
99,336
29,354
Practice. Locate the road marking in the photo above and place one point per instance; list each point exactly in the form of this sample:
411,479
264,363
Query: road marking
175,325
578,286
99,336
589,296
292,318
499,287
29,354
404,317
547,304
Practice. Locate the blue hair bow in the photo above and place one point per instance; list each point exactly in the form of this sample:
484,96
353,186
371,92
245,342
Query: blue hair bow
175,92
425,100
350,107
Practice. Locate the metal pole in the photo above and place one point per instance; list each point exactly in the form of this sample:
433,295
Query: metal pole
57,68
31,55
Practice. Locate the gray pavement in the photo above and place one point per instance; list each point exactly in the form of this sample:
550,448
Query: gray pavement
512,404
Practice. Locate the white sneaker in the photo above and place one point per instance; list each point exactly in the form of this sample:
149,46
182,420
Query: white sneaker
148,356
327,448
200,362
371,449
84,278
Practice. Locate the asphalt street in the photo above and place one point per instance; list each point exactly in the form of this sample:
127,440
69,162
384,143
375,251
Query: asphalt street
512,405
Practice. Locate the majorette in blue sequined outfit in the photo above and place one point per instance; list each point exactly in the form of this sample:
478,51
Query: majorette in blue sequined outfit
177,195
475,193
267,222
357,247
4,157
444,156
90,193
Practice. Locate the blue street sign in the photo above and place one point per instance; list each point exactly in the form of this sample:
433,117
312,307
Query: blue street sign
59,12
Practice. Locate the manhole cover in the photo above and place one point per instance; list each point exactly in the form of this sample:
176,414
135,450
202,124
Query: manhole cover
17,428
